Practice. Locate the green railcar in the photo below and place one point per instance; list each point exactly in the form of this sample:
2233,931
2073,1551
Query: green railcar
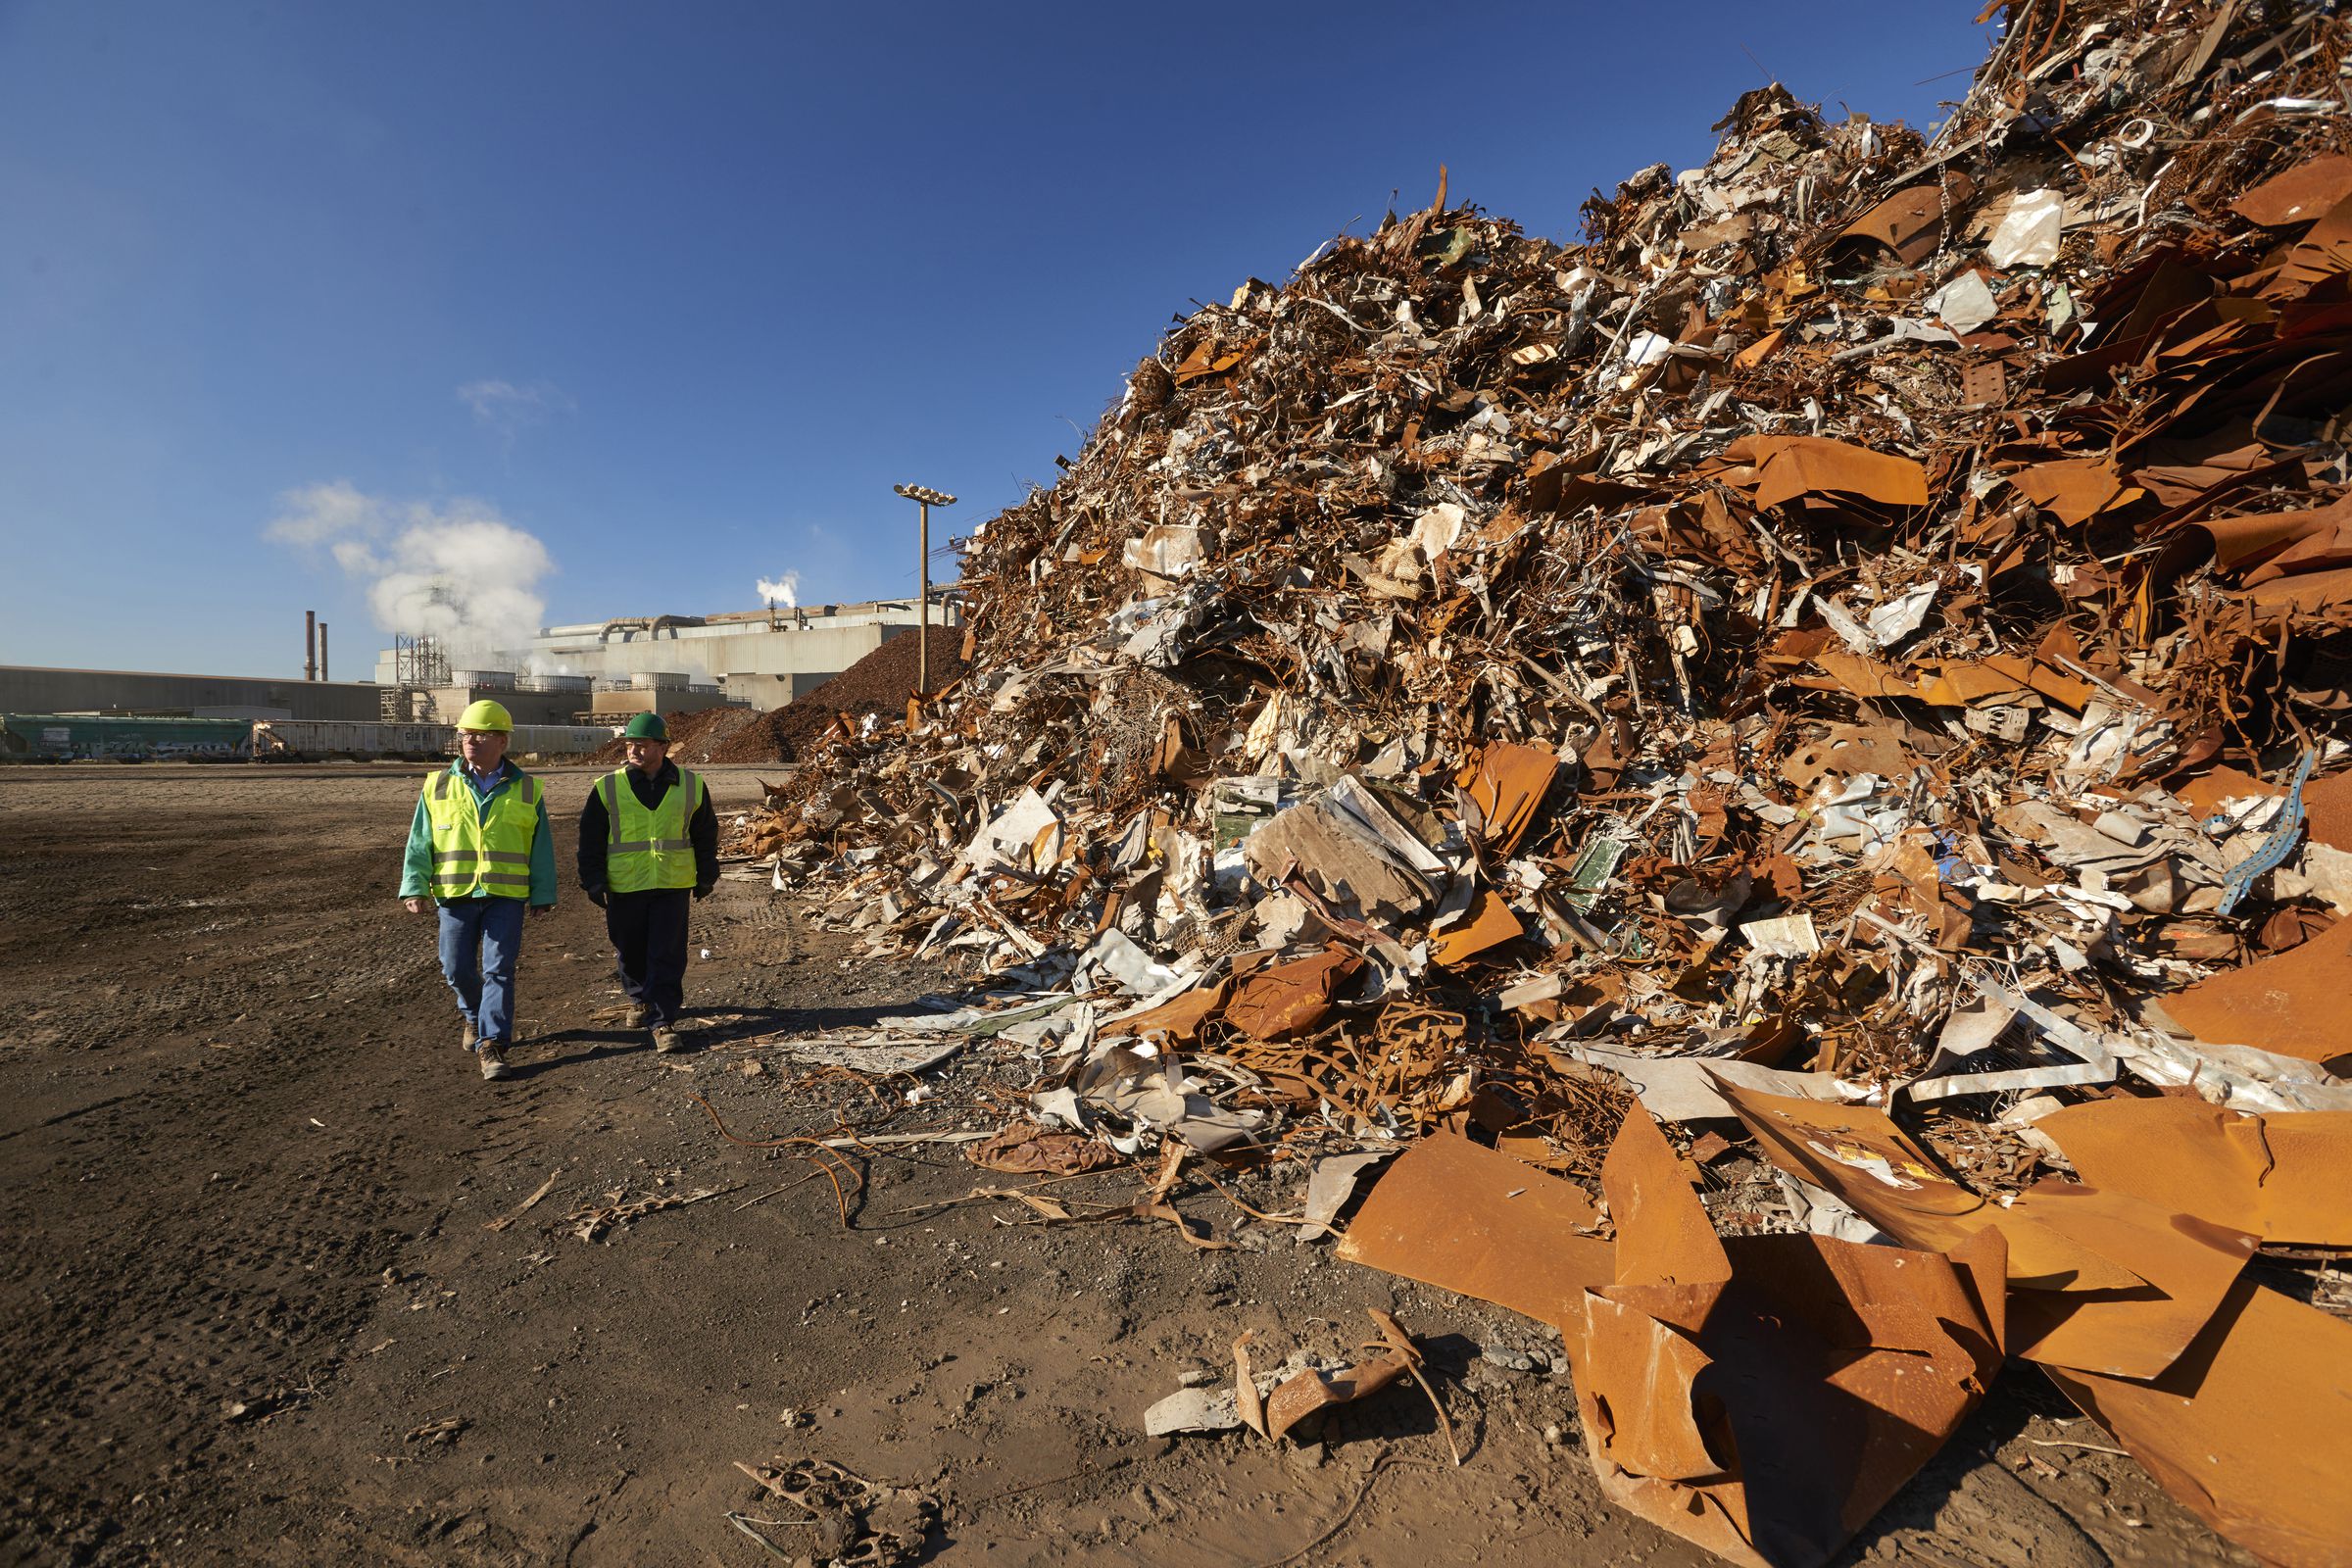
74,738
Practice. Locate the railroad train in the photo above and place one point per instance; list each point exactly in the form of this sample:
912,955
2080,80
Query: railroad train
311,740
73,738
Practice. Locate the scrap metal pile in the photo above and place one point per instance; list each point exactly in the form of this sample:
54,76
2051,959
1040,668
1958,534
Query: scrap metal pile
1852,659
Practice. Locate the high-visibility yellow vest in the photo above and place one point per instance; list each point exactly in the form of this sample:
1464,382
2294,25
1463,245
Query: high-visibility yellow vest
473,853
647,849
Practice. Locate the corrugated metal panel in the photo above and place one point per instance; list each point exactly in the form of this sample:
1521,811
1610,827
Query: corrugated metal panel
559,740
322,738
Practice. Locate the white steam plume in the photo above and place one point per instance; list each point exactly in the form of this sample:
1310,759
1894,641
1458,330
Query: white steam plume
456,571
784,590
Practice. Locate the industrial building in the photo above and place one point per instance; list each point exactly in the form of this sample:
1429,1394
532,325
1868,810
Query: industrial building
31,689
591,672
761,658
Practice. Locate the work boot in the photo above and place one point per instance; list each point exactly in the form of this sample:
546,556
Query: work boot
667,1041
641,1016
470,1036
493,1057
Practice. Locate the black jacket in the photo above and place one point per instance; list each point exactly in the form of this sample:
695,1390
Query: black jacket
702,828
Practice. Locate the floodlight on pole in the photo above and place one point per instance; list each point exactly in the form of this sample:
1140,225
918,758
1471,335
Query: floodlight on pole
924,497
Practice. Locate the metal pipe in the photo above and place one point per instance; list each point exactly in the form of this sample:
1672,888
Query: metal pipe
310,645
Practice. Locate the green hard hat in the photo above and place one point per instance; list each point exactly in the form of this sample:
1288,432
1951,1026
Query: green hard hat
645,727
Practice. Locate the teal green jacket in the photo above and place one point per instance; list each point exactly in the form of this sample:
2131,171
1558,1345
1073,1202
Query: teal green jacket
416,865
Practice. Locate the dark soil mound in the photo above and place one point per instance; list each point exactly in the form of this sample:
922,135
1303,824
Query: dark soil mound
693,737
879,683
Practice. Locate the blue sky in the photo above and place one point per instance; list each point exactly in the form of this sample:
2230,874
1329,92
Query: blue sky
673,294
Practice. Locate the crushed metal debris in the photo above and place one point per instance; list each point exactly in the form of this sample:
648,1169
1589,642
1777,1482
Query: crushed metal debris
1832,687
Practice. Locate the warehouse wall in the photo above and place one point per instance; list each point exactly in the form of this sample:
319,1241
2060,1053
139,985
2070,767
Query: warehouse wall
670,699
768,693
708,653
31,689
523,707
780,643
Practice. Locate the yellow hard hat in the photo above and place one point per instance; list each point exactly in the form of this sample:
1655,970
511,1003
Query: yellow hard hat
486,714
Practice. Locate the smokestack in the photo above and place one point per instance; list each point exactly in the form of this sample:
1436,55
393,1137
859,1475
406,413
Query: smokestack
310,645
323,674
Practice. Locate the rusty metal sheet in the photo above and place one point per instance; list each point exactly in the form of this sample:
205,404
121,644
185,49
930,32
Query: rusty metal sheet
1845,1367
1911,223
2251,1429
1024,1148
1664,1236
2324,253
1205,359
1463,1217
1960,683
2074,490
2101,1281
1983,384
2326,548
1846,750
2000,678
1764,1397
2299,195
2291,1002
1859,1154
2310,593
1787,467
1286,999
1489,924
2190,1265
1633,1348
2062,689
2326,802
1506,789
2247,543
2285,1178
1863,677
2208,789
1179,1019
1307,1393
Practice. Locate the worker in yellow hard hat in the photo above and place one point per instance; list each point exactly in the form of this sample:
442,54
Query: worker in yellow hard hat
480,850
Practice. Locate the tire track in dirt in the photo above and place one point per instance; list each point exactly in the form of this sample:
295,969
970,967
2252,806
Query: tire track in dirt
141,1312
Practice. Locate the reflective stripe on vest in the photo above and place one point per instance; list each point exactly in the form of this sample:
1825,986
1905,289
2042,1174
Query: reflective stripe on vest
648,847
475,855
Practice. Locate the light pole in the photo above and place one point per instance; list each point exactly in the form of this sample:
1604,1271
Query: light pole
925,499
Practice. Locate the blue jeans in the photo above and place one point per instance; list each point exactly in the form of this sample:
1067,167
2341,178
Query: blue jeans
479,941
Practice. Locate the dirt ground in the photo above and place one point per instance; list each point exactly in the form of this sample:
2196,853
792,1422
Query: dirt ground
254,1310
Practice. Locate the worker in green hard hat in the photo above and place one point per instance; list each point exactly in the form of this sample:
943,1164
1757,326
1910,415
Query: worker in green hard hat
481,851
649,844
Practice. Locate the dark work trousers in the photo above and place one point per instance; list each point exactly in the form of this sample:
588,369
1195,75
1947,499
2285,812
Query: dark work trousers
649,939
